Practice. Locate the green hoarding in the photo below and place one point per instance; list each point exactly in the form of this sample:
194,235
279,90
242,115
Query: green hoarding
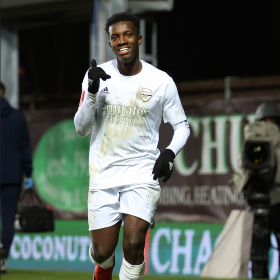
61,167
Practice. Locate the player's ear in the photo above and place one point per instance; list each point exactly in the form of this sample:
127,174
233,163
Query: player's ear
140,39
110,44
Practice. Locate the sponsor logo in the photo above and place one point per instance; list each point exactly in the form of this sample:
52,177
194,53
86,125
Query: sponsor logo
50,249
105,90
200,196
125,115
124,110
146,94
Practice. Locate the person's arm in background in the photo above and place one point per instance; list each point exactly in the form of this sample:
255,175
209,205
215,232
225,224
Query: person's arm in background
26,156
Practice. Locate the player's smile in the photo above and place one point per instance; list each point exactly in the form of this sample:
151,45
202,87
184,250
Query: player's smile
124,50
124,40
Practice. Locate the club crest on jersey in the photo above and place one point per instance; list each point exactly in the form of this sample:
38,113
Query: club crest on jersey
146,94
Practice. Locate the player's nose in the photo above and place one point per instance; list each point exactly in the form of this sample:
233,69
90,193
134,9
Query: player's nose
122,40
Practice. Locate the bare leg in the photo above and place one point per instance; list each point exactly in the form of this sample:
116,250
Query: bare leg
104,242
135,230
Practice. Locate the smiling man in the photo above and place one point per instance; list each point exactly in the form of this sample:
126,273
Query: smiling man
123,102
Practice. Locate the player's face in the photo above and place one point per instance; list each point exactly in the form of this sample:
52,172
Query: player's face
124,40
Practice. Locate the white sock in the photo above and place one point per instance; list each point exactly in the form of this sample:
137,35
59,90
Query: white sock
131,272
106,264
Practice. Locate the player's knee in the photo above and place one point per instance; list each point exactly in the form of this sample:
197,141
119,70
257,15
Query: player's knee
109,262
132,244
100,254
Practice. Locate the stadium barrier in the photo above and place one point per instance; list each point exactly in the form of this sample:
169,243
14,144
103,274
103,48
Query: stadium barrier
180,249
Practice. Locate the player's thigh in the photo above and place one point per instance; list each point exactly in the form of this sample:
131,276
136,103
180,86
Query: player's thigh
134,234
138,205
105,240
104,219
140,201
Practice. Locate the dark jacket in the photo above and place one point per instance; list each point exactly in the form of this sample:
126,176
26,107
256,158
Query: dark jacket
15,151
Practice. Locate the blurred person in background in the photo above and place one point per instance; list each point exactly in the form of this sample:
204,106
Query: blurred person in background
270,113
267,126
16,161
123,102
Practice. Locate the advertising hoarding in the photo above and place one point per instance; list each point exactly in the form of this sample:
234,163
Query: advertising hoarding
180,249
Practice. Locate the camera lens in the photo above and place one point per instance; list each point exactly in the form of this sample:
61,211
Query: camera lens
257,153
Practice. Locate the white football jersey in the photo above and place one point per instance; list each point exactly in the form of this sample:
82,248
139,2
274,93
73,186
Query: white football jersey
125,135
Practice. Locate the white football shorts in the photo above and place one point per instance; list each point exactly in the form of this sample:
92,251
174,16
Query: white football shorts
106,207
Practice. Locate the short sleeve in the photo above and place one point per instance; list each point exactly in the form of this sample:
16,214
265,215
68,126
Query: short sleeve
173,111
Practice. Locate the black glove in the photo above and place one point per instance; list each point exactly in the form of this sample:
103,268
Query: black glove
164,165
94,74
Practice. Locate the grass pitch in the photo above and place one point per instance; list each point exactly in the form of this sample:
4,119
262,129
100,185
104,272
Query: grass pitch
14,274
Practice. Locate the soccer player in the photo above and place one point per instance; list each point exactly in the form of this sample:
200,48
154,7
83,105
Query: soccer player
123,102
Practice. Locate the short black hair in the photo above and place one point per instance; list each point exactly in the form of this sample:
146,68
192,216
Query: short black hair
3,87
123,16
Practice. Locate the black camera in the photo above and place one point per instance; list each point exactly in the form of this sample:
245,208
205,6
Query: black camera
258,156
